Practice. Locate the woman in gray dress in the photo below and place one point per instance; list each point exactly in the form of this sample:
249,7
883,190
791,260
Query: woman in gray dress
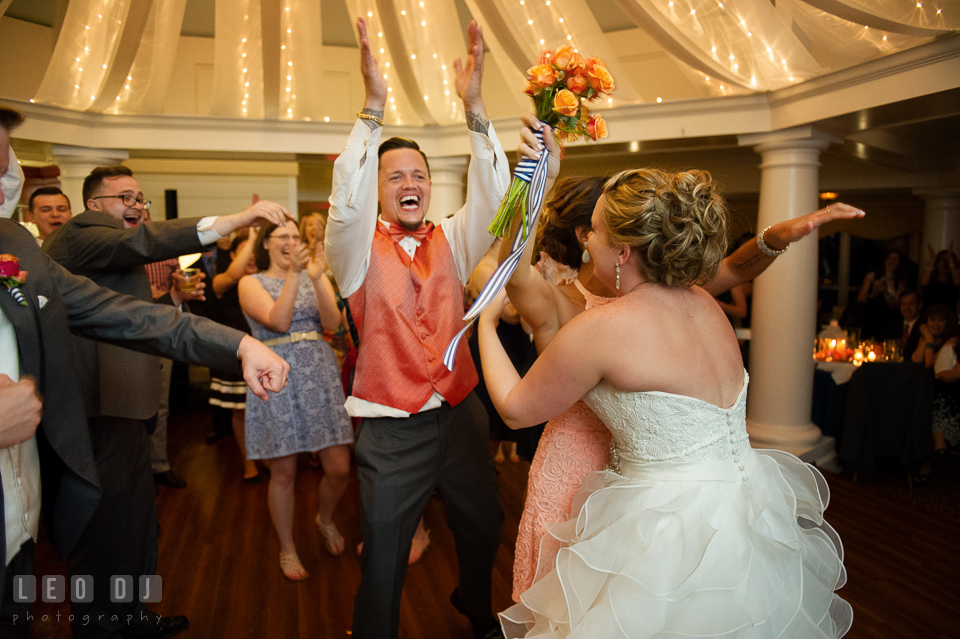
288,304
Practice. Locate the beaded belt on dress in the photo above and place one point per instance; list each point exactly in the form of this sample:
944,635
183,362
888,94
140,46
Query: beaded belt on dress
293,338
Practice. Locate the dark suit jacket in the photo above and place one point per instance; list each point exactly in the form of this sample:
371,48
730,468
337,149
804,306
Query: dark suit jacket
117,382
70,489
895,331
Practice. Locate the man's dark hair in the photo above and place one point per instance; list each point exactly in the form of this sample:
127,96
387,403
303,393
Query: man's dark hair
402,143
46,190
910,291
9,119
91,183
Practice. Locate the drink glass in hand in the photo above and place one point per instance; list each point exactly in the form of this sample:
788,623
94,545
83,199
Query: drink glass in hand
191,276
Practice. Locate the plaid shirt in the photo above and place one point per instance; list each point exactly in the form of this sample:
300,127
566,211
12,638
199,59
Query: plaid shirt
160,274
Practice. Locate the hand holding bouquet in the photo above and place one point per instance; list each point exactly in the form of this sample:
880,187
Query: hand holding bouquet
560,84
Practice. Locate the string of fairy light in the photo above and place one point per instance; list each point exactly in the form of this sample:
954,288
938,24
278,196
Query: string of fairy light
732,47
568,37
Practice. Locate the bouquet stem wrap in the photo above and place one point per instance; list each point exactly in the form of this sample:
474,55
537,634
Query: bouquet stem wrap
526,198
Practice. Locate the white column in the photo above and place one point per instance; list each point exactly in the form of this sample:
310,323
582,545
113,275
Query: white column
76,163
449,185
941,221
783,321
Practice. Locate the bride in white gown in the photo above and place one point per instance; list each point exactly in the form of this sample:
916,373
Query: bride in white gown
690,533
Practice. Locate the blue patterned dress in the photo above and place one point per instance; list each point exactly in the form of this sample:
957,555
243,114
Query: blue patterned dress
307,415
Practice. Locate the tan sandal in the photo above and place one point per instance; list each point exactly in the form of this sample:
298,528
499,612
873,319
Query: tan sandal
292,568
332,539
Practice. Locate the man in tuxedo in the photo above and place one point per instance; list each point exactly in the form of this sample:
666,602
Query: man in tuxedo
423,426
908,330
36,350
110,243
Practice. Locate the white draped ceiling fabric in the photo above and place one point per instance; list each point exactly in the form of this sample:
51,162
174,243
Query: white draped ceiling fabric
117,56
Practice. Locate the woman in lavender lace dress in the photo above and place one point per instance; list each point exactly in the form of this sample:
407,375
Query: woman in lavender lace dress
288,304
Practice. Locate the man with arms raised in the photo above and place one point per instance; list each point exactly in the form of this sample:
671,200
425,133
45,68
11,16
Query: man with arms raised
423,427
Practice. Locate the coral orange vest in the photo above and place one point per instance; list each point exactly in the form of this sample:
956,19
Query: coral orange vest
406,314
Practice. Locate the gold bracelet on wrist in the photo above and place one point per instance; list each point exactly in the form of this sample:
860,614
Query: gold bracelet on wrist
372,118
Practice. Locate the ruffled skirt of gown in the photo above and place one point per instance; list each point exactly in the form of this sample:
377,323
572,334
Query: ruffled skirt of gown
692,549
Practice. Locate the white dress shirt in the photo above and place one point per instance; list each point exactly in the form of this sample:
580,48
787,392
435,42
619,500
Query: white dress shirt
353,218
19,464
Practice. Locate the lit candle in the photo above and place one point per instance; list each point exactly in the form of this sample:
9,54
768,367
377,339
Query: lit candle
871,356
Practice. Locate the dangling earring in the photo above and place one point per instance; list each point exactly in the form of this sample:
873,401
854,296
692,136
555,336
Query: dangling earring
618,276
585,257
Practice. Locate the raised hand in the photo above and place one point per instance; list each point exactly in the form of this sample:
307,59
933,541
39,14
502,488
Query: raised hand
317,263
469,80
373,84
530,146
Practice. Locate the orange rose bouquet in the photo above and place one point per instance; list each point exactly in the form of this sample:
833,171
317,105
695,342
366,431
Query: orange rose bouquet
560,84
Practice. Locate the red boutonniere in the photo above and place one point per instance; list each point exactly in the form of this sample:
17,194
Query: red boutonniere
12,277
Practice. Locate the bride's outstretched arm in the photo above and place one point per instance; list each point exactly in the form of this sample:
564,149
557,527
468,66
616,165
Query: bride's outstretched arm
748,261
559,377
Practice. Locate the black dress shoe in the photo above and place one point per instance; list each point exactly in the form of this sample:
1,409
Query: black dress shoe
481,629
163,628
169,478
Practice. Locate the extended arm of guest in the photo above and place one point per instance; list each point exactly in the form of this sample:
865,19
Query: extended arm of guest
748,261
104,315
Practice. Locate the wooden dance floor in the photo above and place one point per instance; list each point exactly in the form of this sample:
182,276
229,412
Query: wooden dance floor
219,558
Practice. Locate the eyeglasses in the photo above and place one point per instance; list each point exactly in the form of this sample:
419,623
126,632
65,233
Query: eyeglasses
128,200
285,238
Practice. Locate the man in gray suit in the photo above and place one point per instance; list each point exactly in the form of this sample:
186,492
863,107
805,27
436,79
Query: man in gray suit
36,350
110,243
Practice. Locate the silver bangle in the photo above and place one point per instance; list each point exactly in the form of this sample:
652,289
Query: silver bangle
766,250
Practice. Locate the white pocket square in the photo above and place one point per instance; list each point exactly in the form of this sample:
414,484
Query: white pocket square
43,301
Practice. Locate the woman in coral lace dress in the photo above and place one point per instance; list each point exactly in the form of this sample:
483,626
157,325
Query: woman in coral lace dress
576,442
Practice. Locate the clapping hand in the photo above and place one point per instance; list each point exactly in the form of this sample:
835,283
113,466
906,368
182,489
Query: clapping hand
316,264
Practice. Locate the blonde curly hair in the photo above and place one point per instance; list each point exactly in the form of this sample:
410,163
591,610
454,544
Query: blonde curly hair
676,221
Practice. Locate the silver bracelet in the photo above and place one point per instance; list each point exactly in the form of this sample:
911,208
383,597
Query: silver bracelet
766,250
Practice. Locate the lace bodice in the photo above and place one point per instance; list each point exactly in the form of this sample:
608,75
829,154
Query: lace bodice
657,426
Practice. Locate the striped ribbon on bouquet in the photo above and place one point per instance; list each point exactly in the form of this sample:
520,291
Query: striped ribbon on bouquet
534,172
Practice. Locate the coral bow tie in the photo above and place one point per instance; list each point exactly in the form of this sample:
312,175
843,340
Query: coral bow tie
397,232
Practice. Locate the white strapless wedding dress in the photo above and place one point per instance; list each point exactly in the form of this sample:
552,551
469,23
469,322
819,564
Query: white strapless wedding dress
690,533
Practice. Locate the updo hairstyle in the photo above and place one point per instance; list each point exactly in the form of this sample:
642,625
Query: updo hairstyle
676,221
571,207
